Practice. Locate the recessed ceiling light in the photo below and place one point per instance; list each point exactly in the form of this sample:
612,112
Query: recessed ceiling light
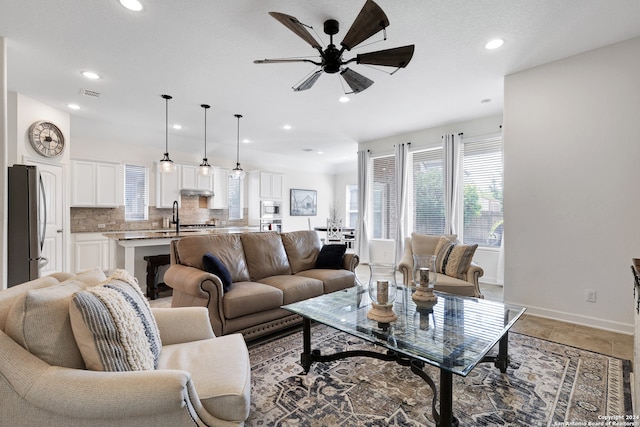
344,99
494,44
320,152
246,141
73,106
133,5
286,127
485,101
90,75
308,150
177,126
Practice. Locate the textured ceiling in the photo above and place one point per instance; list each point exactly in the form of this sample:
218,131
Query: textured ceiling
202,51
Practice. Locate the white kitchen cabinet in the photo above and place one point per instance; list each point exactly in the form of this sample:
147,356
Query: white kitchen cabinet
220,199
90,250
270,185
95,184
168,187
192,180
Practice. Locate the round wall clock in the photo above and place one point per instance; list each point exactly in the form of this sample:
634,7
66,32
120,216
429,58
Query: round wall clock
46,138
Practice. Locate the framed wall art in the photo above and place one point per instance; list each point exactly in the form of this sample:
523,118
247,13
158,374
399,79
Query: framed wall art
303,202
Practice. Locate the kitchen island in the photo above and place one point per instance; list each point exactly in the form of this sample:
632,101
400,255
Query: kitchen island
130,247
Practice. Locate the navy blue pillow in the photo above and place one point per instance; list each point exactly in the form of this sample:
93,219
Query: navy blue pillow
213,265
331,257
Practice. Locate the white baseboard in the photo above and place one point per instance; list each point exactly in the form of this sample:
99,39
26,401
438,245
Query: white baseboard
578,319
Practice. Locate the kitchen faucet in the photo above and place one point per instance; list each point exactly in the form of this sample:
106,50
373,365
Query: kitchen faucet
176,216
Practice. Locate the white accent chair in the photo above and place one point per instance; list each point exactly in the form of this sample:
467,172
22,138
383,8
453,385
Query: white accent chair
201,380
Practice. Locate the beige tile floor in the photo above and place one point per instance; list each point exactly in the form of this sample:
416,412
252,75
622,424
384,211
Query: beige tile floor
593,339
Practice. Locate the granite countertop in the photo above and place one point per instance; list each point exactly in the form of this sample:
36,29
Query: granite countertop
171,234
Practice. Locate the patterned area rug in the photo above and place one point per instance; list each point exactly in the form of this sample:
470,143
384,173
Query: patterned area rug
546,384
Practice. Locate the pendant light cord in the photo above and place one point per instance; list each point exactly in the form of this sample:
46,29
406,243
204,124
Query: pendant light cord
166,121
238,116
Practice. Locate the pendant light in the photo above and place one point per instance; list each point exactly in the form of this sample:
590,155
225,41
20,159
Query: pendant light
205,167
166,164
237,172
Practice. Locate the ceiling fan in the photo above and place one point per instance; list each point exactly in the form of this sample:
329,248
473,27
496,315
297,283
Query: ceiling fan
369,21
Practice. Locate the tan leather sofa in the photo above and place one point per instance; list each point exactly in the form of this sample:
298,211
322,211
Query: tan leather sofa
422,244
200,380
267,269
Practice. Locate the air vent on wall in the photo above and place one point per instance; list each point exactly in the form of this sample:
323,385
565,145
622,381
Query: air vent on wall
90,93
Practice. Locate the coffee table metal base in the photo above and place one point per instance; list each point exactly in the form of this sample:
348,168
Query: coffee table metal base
443,418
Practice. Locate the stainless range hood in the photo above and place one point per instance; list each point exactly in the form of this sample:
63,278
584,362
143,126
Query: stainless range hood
196,192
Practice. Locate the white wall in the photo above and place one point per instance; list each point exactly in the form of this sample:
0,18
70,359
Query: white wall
572,152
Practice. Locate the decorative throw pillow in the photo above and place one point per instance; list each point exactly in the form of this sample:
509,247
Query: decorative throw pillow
331,257
113,326
213,265
39,320
453,259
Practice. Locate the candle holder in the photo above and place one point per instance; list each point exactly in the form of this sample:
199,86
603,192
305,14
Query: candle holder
424,279
382,291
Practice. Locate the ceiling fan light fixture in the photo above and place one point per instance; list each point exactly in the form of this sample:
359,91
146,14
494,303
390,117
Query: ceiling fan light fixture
205,167
237,172
166,165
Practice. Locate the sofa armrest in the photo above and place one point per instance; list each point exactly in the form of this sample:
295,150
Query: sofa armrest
405,266
199,288
182,324
474,273
351,261
78,393
110,395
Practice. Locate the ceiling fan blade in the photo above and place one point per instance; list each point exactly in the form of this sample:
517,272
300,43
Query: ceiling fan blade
283,60
357,82
396,57
292,23
369,21
308,82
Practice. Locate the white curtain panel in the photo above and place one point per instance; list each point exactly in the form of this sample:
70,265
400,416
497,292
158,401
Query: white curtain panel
401,155
451,149
362,238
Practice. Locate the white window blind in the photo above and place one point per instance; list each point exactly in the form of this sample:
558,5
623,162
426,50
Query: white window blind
136,193
482,178
427,195
235,198
382,198
352,205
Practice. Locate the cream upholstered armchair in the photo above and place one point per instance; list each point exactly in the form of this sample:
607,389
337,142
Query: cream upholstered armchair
199,380
465,284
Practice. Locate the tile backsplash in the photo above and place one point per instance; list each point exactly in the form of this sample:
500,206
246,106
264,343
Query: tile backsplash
193,210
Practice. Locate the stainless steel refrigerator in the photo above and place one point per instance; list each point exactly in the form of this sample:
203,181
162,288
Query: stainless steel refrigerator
26,224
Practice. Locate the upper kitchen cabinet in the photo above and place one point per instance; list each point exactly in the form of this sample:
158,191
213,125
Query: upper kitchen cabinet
95,184
192,180
168,187
220,199
270,185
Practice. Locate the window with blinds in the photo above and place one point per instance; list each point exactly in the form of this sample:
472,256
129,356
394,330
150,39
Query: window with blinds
352,205
235,198
383,197
136,193
426,200
482,180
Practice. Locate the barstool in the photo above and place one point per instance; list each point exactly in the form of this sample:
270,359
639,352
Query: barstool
154,262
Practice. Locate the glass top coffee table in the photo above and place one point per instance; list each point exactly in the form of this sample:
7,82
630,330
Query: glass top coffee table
454,334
